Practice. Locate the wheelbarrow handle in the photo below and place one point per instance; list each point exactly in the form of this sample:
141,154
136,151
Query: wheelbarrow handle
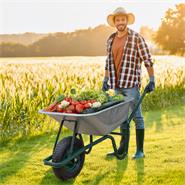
138,104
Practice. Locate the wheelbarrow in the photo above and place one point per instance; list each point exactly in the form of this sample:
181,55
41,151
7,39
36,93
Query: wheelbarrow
69,153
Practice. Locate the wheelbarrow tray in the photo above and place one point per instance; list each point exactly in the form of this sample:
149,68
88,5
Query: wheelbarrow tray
98,123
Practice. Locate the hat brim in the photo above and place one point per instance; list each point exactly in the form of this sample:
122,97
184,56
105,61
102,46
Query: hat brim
110,18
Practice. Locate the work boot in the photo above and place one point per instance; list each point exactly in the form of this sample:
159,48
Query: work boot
139,144
124,143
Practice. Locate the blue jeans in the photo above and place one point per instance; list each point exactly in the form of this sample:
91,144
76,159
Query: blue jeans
138,117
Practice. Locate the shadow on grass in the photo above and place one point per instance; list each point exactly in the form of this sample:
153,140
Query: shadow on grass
21,151
140,171
99,178
50,178
121,169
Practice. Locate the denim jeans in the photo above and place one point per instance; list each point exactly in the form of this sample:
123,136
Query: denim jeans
138,117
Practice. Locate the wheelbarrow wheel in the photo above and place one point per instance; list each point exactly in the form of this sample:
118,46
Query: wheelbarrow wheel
73,167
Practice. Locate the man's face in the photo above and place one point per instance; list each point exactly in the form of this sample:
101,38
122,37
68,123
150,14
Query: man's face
120,22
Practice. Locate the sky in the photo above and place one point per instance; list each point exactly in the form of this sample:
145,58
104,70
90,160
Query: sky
47,16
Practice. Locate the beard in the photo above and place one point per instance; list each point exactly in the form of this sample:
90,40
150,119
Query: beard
121,27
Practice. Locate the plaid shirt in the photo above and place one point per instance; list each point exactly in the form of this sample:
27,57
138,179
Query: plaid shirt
135,51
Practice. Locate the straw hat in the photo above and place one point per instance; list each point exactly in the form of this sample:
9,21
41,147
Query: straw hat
120,11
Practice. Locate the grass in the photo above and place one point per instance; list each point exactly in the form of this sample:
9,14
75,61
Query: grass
21,160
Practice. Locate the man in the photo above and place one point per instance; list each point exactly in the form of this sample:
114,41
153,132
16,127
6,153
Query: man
126,50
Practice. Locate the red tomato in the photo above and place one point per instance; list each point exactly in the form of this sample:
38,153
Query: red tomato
71,108
58,108
87,105
83,102
74,102
69,111
51,107
92,101
79,108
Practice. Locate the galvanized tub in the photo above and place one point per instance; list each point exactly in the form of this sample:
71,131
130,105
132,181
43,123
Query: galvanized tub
99,123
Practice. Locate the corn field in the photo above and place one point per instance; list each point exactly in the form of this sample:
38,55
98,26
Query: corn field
29,84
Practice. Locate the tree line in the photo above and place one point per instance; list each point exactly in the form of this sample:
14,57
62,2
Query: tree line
81,42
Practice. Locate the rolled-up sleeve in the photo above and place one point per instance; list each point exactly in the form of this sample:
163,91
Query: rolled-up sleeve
144,52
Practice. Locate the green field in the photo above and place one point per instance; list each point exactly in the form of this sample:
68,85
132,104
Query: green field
164,164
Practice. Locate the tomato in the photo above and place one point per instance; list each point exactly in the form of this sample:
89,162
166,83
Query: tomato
58,108
83,102
79,108
87,105
71,108
69,111
73,102
52,107
92,101
69,99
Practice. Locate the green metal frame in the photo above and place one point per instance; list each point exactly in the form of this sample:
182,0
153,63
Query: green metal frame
87,149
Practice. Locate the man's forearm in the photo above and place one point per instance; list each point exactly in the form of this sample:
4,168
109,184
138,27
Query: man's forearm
150,71
106,73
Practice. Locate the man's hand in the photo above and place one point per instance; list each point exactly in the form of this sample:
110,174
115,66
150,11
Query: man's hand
151,85
105,86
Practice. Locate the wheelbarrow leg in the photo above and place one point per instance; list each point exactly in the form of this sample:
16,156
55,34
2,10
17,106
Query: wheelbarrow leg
124,142
91,141
58,134
73,138
119,156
